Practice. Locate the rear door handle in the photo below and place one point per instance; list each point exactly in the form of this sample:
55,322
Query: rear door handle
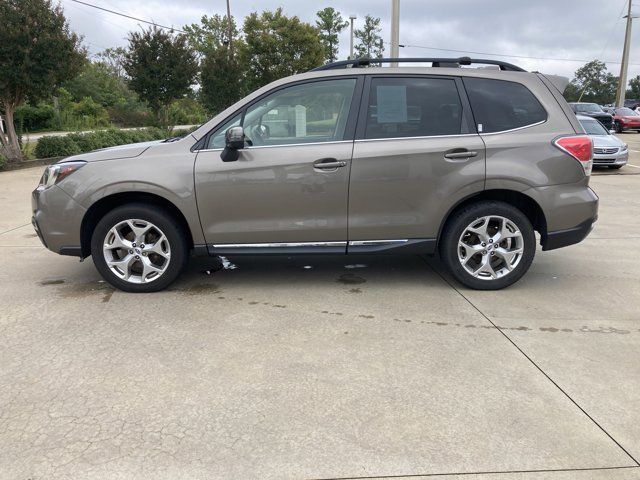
329,164
460,155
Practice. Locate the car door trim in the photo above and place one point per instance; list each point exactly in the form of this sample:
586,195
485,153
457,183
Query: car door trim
403,245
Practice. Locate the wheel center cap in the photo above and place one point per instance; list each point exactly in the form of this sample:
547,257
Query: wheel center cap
137,250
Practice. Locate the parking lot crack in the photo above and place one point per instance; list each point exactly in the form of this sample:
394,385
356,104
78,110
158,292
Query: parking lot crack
510,340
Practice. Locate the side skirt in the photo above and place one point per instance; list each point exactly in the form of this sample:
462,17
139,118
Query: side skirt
402,246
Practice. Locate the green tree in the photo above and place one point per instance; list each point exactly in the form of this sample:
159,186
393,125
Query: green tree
370,44
98,81
277,46
211,34
634,90
330,23
222,80
222,76
161,67
37,53
113,59
594,82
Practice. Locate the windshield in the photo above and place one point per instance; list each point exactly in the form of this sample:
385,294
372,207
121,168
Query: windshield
626,112
593,127
588,107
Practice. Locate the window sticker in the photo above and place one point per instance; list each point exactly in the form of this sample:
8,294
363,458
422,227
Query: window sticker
392,103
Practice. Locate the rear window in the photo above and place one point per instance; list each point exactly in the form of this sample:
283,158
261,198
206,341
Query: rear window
500,105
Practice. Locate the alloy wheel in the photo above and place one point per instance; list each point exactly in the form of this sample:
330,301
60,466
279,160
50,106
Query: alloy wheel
490,247
136,251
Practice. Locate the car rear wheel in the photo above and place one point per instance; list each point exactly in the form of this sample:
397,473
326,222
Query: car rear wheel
488,245
139,249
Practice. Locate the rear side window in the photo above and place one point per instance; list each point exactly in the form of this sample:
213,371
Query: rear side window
413,107
500,105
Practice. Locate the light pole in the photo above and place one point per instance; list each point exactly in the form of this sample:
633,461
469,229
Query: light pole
229,29
395,30
622,86
352,18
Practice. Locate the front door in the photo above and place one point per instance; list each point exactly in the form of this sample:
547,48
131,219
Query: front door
289,186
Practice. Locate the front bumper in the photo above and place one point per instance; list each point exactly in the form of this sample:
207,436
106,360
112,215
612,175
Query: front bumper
603,159
57,219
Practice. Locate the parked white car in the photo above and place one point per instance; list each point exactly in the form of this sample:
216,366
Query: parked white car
608,150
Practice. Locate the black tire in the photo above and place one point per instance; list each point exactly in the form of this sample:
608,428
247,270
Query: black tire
618,127
165,222
463,218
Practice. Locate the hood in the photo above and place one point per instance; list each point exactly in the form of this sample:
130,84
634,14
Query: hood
114,153
606,141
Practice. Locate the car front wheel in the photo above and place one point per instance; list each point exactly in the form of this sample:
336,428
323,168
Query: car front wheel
488,245
137,248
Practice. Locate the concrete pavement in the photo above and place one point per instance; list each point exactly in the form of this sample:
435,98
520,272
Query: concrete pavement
317,368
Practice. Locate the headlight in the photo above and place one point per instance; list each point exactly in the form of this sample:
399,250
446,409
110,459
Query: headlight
54,174
624,148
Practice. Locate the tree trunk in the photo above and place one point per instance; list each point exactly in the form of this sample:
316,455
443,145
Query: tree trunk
12,148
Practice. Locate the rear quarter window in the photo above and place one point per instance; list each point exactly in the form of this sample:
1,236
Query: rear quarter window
500,105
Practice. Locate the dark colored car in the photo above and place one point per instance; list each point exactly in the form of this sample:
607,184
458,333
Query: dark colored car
625,119
593,110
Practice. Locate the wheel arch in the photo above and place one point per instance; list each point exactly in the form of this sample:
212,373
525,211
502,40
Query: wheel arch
521,201
104,205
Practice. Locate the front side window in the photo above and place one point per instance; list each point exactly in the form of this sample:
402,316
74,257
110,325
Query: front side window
500,105
413,107
216,139
305,113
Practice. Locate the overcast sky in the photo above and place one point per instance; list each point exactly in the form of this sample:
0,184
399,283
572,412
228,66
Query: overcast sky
573,31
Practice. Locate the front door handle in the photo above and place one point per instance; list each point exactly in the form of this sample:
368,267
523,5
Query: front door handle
329,164
460,154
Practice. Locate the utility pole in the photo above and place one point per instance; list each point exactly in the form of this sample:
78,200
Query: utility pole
395,30
622,86
352,18
229,30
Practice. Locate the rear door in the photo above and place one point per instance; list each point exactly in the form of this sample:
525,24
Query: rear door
416,155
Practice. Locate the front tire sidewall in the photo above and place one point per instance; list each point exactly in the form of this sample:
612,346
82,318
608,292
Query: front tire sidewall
165,222
461,220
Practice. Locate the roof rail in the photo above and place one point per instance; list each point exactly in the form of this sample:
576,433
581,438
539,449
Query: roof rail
436,62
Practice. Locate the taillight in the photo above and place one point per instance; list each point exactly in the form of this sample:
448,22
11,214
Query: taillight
579,147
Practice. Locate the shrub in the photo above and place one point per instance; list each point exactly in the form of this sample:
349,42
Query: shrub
3,162
75,143
29,118
56,147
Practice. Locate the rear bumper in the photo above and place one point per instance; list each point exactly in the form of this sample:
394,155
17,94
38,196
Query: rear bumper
570,211
570,236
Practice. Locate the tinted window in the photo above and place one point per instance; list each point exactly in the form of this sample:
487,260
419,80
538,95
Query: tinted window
499,105
413,107
593,127
309,112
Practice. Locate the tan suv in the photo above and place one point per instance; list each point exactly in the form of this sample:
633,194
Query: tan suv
464,162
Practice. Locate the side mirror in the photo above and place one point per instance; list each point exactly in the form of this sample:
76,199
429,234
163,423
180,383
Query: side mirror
234,141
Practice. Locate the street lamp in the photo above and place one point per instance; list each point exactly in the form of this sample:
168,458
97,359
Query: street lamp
352,18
